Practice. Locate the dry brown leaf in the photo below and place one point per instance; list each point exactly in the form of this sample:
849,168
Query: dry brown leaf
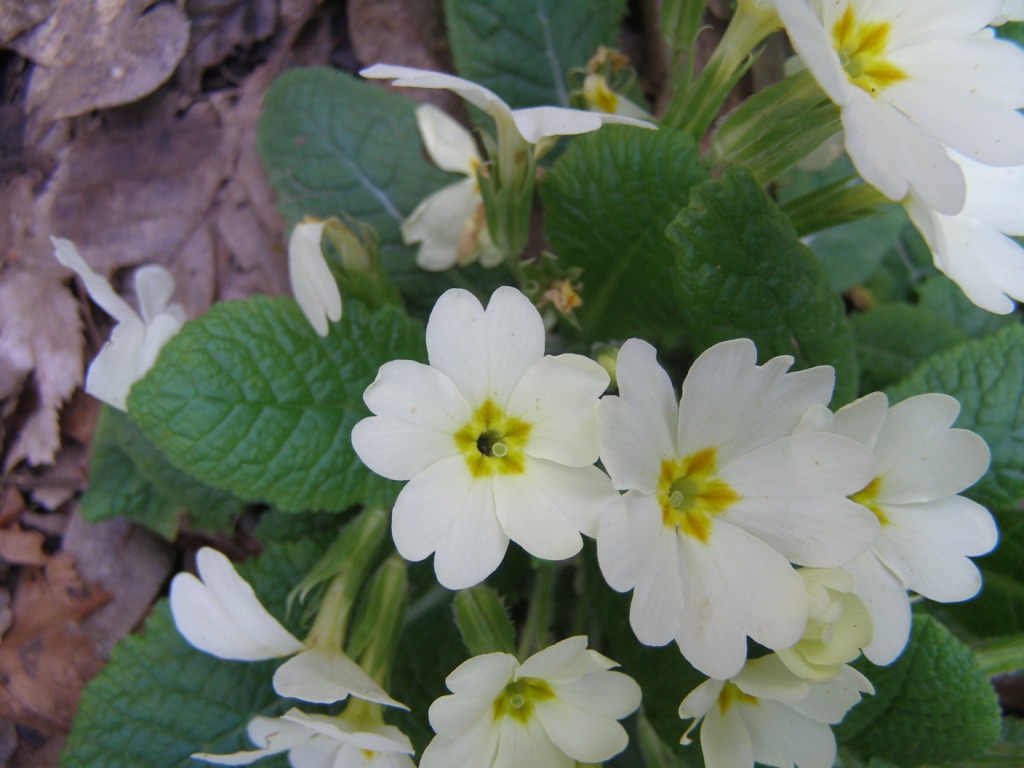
220,29
17,16
93,54
46,657
128,561
40,331
21,547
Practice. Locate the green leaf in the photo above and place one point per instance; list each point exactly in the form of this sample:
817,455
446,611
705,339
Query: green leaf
744,273
158,700
129,477
337,145
987,377
851,252
941,295
523,49
933,704
607,201
893,339
248,398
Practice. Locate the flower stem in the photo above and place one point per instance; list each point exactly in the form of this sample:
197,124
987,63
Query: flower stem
534,635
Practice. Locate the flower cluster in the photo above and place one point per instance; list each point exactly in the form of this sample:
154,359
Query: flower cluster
931,119
727,489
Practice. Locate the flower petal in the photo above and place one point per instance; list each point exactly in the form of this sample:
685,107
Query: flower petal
605,694
736,585
437,224
450,146
475,746
485,352
418,411
276,736
154,286
522,744
732,404
410,77
793,496
920,458
562,662
314,286
583,736
382,738
637,429
781,736
324,678
926,546
445,510
99,289
546,508
886,599
221,615
627,535
725,740
536,123
558,397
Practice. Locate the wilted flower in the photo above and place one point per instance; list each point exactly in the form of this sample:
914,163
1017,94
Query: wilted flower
136,340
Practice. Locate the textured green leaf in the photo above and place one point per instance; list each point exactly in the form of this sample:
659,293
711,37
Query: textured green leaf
607,202
129,477
248,398
932,705
941,295
850,253
337,145
893,339
523,49
158,700
987,377
744,273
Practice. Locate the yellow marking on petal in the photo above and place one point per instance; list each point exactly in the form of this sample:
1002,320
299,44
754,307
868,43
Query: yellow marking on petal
690,494
867,496
599,96
493,442
861,46
518,698
730,695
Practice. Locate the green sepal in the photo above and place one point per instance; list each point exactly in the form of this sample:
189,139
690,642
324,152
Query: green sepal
378,622
249,399
776,128
483,621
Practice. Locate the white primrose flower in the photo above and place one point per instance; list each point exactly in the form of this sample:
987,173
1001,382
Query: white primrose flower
768,715
321,741
497,440
974,248
219,614
532,124
912,78
927,530
136,340
838,626
450,224
315,288
722,498
600,98
559,707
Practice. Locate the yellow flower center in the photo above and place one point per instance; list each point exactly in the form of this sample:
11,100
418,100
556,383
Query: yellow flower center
867,497
690,494
493,442
730,695
861,46
519,697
